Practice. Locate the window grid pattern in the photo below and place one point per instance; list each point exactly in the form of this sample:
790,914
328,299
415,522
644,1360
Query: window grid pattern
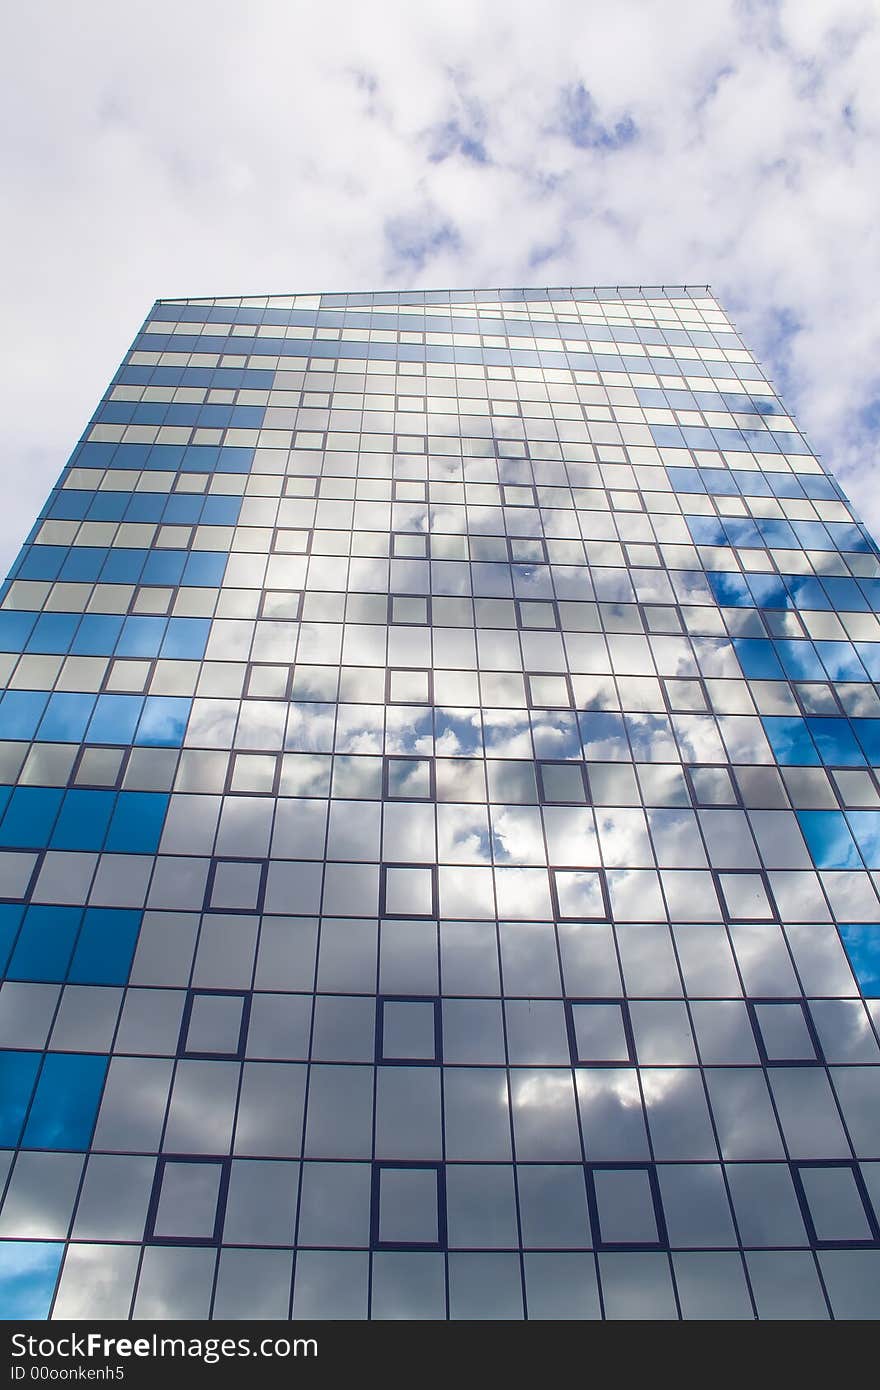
440,827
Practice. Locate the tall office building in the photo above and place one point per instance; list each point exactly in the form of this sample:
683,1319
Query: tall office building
440,825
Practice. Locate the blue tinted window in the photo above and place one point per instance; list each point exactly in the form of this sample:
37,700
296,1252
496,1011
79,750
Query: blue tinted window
30,816
871,590
105,946
863,948
730,589
817,487
828,839
768,590
718,481
20,713
705,530
186,638
42,562
868,733
15,629
115,718
141,636
698,437
137,822
67,715
840,661
165,456
97,634
847,537
164,719
787,485
70,505
812,535
83,821
221,511
164,567
149,412
865,826
130,455
751,484
844,593
108,506
205,567
799,661
667,436
790,740
806,591
66,1102
145,506
730,440
123,566
869,654
83,564
53,632
28,1273
757,658
777,533
200,458
183,509
214,416
182,414
739,531
835,741
93,454
45,943
18,1072
10,917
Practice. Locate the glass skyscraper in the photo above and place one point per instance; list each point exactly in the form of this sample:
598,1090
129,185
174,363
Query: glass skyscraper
440,827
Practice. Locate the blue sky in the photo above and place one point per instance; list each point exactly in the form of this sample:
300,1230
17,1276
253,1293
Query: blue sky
214,148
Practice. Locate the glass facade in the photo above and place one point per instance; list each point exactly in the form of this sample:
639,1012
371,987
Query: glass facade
440,827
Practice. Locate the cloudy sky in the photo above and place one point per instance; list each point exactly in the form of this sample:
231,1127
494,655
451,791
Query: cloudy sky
212,147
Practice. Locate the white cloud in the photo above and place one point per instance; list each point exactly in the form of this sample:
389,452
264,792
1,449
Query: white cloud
212,148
